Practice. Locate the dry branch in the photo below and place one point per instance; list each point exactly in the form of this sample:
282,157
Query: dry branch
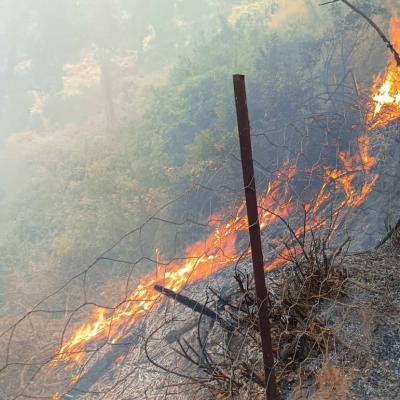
388,235
389,44
194,305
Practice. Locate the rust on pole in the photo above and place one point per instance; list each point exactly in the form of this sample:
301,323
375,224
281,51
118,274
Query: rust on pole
255,234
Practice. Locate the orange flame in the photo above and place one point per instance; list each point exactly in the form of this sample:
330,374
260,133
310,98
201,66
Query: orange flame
204,258
385,107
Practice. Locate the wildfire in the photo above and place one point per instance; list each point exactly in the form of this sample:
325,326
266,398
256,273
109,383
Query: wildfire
218,251
349,183
385,106
202,259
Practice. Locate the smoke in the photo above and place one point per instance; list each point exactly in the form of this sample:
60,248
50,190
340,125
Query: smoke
392,4
286,12
278,13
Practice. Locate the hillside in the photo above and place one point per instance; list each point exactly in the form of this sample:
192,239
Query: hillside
125,260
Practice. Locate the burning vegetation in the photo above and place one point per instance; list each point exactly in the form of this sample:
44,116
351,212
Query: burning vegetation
386,86
302,232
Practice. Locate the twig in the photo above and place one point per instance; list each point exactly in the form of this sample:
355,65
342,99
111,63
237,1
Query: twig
389,44
388,235
338,250
365,287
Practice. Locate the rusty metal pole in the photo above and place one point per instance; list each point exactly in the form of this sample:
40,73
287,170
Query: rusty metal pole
255,234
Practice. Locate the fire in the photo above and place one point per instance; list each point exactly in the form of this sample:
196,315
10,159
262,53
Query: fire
202,259
218,251
385,106
349,183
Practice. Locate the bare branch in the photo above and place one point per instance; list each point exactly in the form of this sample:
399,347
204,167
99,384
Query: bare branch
389,44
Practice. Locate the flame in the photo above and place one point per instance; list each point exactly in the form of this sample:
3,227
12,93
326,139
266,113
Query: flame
218,251
385,105
353,181
202,259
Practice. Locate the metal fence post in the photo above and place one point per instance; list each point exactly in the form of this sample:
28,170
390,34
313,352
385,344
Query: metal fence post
255,234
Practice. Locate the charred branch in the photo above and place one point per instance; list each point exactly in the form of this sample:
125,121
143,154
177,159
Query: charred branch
195,306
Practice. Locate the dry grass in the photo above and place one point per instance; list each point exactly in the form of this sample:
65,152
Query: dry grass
333,383
230,365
